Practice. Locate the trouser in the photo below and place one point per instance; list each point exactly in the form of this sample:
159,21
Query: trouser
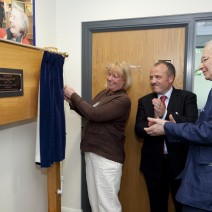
103,181
159,189
192,209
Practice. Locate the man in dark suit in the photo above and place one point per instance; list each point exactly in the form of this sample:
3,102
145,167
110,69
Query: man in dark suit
195,191
161,163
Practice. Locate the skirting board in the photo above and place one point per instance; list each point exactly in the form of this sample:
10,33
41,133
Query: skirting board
63,209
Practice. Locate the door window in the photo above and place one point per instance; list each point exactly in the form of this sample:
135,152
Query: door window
201,86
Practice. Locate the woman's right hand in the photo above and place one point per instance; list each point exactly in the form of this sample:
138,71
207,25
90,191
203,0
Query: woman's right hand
68,91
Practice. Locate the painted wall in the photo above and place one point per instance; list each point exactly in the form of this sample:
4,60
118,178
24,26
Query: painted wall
23,185
71,14
58,24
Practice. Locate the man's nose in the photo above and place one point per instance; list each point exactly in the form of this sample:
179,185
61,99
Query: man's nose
201,66
153,80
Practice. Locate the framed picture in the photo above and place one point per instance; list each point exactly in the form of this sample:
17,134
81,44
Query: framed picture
17,21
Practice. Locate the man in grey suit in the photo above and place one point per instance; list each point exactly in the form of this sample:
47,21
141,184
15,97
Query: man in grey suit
161,163
195,191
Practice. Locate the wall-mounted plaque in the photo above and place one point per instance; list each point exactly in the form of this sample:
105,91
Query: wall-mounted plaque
11,82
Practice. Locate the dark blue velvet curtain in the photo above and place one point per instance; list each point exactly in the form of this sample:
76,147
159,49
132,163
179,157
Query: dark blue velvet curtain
52,115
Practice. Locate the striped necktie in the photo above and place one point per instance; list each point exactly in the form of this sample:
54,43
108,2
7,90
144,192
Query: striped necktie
163,99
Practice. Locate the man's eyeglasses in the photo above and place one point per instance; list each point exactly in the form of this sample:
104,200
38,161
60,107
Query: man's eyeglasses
204,59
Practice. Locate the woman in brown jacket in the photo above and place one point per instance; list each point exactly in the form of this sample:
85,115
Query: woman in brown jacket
103,137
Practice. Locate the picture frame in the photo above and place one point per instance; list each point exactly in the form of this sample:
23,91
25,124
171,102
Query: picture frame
17,21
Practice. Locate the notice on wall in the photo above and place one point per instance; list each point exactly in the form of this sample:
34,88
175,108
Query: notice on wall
11,82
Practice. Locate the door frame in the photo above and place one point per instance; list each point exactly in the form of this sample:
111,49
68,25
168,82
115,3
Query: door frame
158,22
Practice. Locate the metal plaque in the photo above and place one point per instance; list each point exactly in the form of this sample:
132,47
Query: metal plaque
11,82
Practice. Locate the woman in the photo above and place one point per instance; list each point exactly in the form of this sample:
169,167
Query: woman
19,25
103,137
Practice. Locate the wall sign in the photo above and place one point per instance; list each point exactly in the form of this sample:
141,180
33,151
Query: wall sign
11,82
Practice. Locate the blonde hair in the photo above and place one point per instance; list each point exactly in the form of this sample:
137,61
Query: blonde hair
123,70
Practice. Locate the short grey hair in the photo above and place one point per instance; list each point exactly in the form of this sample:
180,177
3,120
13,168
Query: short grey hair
24,25
208,45
170,67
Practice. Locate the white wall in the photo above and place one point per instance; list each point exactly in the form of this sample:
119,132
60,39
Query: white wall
71,14
58,24
23,185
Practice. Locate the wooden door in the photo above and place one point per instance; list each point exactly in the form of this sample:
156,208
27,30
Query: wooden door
140,48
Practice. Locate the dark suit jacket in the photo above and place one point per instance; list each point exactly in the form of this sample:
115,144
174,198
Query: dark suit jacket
196,187
183,106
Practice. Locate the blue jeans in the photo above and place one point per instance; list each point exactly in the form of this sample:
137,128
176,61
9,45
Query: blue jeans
192,209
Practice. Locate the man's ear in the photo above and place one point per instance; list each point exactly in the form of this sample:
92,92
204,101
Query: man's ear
171,78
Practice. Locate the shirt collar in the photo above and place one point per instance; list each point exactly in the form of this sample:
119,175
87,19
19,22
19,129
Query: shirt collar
167,94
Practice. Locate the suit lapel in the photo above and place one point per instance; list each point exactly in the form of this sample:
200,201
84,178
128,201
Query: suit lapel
173,99
150,105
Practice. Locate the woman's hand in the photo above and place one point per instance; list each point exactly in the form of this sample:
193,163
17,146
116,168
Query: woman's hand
68,91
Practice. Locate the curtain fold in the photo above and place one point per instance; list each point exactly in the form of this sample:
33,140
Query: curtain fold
51,133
